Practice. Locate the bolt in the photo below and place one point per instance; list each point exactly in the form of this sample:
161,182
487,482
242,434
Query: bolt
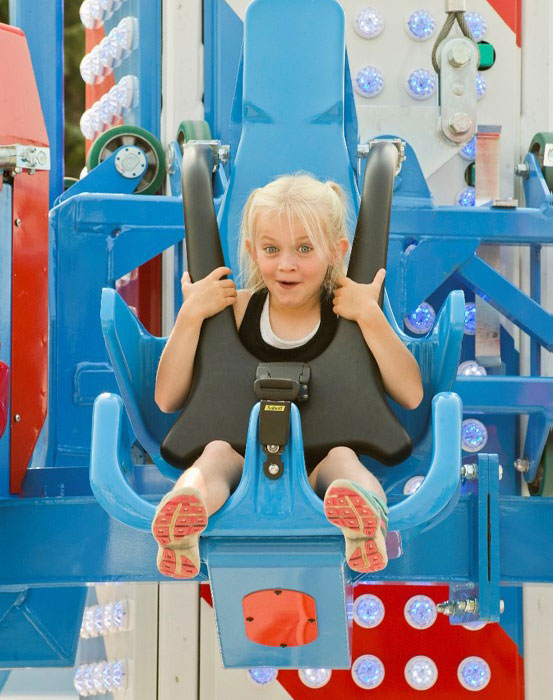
458,55
460,123
18,222
458,89
522,170
500,472
273,449
469,471
273,469
447,608
501,606
17,418
522,464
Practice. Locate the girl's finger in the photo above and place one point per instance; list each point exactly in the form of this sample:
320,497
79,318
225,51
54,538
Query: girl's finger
220,272
186,277
341,280
380,275
227,283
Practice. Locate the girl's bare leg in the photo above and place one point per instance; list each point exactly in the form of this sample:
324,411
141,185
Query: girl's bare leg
215,474
343,463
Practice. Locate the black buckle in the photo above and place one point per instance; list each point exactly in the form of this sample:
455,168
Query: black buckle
282,381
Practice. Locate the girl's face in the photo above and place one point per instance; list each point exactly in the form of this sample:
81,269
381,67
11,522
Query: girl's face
292,269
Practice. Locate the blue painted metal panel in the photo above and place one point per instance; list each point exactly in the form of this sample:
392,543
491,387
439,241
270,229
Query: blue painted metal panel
42,23
5,320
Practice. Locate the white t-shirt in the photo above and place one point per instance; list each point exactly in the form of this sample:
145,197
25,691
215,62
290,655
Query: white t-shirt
271,339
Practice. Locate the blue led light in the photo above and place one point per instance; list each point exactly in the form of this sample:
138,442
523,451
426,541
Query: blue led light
413,484
421,84
474,435
421,320
421,25
474,626
369,82
471,368
369,23
466,197
368,610
470,318
474,673
98,677
481,86
262,675
468,152
367,671
477,25
315,677
420,612
78,681
421,672
88,679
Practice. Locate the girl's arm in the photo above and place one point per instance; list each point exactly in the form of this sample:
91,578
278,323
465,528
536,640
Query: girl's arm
399,370
203,299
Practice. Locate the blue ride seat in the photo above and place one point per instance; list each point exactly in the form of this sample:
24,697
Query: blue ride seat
273,533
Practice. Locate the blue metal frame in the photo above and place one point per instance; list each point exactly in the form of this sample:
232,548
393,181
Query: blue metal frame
42,23
5,320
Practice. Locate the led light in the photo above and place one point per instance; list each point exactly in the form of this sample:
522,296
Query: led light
367,671
421,320
470,318
369,23
315,677
105,110
114,46
369,82
115,675
88,679
95,121
481,86
107,8
86,127
115,105
421,25
474,626
85,13
98,677
104,54
85,68
474,673
120,615
421,672
78,681
477,25
466,197
262,676
470,368
368,611
127,34
87,627
412,485
95,65
420,612
127,92
99,628
468,152
474,435
421,84
410,248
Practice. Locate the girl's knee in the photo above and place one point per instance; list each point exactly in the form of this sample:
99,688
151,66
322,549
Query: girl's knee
219,449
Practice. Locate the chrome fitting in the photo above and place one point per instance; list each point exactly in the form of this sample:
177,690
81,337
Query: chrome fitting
273,449
469,471
522,465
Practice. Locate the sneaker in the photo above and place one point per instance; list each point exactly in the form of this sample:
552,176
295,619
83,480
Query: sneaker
180,518
363,519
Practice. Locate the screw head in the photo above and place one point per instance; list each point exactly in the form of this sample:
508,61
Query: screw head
273,449
458,55
522,464
18,222
17,418
460,123
273,469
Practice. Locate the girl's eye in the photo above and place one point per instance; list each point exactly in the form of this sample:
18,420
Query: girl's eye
270,249
305,248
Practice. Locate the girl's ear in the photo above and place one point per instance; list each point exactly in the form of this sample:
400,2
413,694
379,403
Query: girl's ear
342,247
250,248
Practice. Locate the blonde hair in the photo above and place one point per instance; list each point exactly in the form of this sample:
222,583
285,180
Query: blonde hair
319,207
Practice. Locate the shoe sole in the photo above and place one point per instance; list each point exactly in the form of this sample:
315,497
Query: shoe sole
176,528
347,509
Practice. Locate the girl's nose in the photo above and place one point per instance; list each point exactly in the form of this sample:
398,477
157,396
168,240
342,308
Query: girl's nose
287,261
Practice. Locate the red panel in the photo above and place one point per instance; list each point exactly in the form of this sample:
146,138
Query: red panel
4,395
510,12
279,617
21,122
29,319
395,642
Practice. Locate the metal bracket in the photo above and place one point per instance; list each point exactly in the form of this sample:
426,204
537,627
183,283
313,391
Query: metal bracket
363,150
458,60
220,153
19,157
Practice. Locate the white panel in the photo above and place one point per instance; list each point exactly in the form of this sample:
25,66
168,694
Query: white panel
178,640
538,641
228,684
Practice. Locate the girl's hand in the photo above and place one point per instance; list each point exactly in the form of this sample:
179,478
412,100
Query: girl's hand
207,296
356,301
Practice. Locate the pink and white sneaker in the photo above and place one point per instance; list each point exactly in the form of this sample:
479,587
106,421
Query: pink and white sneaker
180,518
363,519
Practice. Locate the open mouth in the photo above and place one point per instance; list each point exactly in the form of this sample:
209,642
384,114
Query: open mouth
287,285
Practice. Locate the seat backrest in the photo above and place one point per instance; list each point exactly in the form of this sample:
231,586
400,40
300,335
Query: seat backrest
292,105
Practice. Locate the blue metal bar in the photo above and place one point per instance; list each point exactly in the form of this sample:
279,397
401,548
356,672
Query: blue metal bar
509,300
506,395
535,294
42,23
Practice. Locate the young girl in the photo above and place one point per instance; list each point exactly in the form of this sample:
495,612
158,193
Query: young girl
293,243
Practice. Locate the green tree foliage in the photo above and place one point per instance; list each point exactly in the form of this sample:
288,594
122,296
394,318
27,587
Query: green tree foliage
74,87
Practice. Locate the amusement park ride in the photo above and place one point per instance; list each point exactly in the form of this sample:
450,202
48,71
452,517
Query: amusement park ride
433,119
